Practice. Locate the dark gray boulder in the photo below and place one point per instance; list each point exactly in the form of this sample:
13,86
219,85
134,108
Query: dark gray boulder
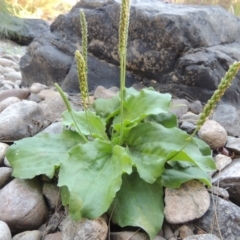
30,28
185,49
222,219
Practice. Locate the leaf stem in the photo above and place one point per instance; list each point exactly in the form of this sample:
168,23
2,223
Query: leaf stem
69,108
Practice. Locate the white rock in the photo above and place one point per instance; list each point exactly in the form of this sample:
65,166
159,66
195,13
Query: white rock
48,93
37,87
20,120
186,203
13,75
4,70
28,235
7,86
7,63
222,161
9,82
3,150
213,134
185,231
6,162
52,108
102,92
7,102
5,233
85,229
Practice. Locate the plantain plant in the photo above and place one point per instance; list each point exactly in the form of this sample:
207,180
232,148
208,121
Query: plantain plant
117,155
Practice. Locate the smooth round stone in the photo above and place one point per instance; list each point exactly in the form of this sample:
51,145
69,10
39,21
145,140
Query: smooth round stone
5,233
28,235
37,87
7,102
3,150
5,176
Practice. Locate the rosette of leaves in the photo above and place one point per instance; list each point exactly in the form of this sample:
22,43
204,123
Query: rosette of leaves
117,156
100,175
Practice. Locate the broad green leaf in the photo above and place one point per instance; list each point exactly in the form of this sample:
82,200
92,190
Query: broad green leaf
150,145
173,178
65,195
168,120
203,147
93,175
138,106
41,154
192,154
107,108
138,204
88,123
130,91
146,102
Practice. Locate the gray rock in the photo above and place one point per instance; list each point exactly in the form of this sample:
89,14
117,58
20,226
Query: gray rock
229,178
85,229
56,127
233,144
5,233
28,235
5,176
179,107
186,203
196,107
189,117
52,195
22,205
218,191
20,120
227,222
228,117
54,223
186,50
202,237
34,97
188,127
99,73
31,29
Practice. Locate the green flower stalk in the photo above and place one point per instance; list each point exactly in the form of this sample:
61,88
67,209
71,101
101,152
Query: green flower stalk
82,77
123,26
211,104
122,48
84,32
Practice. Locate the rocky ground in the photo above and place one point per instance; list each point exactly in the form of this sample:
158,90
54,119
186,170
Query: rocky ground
32,209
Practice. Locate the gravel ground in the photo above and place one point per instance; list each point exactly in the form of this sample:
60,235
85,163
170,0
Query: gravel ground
10,47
